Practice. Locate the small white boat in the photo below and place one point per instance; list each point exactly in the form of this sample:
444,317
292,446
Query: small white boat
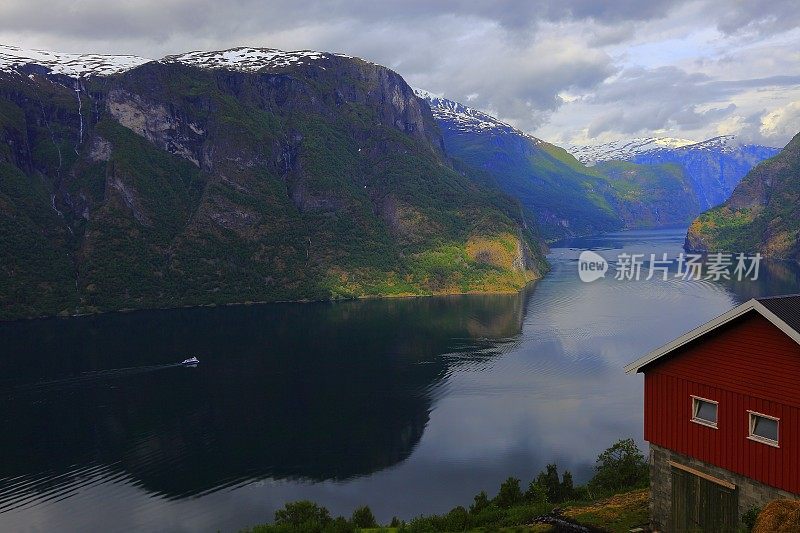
192,361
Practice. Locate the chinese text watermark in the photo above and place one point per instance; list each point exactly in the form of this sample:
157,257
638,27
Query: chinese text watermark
634,267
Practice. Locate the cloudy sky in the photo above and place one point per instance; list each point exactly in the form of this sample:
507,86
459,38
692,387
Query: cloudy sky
571,72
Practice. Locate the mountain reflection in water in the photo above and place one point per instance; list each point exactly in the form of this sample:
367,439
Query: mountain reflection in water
410,405
315,391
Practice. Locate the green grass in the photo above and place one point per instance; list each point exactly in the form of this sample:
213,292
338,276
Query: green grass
618,469
619,513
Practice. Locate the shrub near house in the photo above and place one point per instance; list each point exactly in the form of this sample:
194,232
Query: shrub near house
621,467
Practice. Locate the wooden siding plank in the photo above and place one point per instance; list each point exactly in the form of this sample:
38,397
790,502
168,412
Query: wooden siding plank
668,411
753,358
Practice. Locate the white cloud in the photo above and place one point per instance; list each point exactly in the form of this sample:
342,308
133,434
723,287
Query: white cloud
782,122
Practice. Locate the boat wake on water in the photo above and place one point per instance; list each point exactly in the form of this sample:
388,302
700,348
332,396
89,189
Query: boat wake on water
91,376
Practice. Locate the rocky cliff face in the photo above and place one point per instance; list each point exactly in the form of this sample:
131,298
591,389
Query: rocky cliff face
762,213
234,176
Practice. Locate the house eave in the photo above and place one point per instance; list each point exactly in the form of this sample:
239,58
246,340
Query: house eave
736,312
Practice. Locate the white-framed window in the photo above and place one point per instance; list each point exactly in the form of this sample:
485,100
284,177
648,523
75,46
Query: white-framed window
704,411
763,428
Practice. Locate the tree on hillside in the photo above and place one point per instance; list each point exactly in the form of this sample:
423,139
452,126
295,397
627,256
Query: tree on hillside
363,518
621,467
510,494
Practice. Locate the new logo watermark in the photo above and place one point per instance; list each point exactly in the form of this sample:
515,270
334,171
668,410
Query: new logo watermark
634,267
591,266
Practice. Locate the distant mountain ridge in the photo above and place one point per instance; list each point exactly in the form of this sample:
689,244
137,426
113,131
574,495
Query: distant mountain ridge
714,166
565,196
624,149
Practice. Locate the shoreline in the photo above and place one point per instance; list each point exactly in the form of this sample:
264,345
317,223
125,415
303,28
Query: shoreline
271,302
550,245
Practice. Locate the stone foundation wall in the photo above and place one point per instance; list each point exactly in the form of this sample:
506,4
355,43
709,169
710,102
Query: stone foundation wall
750,493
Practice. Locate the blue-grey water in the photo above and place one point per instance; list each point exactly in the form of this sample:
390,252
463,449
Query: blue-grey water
409,406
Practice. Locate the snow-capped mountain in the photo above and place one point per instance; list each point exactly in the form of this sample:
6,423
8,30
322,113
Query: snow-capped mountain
248,59
13,58
714,166
466,119
625,149
565,197
630,149
191,175
244,59
722,144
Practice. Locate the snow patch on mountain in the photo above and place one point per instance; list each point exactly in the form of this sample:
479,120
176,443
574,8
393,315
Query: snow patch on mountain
464,118
247,59
723,143
627,149
13,58
243,59
426,95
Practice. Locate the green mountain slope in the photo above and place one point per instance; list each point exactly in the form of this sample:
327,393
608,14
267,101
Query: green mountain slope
566,197
762,214
649,196
176,184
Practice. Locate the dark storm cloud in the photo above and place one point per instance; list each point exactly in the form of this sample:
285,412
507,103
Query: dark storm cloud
515,58
500,65
523,86
757,17
651,99
161,19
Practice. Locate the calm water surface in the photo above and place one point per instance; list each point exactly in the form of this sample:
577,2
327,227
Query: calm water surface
409,406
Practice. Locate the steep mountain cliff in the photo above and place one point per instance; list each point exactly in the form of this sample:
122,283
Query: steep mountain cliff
762,214
567,197
234,176
714,167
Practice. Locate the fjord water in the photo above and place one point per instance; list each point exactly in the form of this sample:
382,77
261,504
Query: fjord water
408,405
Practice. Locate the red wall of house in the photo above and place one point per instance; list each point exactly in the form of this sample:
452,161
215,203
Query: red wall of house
747,364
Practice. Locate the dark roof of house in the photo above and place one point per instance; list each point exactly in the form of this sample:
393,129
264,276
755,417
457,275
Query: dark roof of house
787,308
782,311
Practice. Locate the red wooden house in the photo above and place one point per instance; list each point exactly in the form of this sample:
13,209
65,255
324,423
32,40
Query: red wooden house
722,416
